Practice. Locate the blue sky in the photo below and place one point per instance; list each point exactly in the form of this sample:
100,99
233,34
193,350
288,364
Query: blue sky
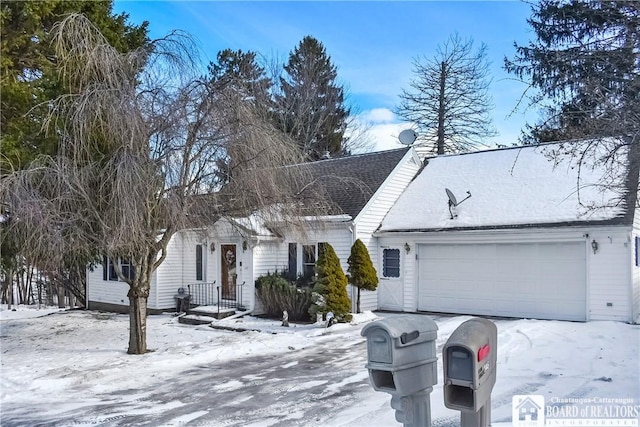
372,44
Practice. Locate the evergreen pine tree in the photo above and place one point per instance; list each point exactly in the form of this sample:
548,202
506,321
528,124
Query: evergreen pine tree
584,65
30,79
241,71
331,285
585,61
362,274
311,106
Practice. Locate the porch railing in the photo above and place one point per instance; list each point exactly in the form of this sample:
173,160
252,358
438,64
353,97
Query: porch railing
202,293
212,294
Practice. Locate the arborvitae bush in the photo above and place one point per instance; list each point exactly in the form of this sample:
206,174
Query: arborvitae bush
330,288
278,294
362,274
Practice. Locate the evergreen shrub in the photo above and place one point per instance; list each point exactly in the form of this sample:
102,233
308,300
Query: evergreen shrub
278,294
330,289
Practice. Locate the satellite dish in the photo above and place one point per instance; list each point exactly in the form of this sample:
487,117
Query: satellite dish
453,202
407,137
452,198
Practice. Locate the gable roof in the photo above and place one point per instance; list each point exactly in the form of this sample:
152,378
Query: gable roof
349,182
512,187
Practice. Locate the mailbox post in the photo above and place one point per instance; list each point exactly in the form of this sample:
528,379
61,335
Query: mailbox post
401,354
469,364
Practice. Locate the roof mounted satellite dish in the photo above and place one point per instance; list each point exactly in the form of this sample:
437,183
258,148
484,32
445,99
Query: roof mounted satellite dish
407,136
453,202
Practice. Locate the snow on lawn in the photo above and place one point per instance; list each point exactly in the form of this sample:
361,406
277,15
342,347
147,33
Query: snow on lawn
67,360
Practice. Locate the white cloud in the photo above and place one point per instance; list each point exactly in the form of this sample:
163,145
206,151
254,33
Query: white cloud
381,129
378,115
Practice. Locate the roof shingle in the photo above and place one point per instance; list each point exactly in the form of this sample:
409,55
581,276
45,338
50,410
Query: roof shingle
349,182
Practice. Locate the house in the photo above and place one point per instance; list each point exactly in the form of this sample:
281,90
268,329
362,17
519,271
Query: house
221,262
507,232
528,410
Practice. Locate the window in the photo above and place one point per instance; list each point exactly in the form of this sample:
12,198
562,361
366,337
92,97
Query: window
109,271
293,261
321,246
199,264
391,263
308,260
127,269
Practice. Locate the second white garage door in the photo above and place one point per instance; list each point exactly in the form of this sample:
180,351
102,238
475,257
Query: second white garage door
537,280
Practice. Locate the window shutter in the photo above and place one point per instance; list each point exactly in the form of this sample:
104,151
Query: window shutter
199,262
293,261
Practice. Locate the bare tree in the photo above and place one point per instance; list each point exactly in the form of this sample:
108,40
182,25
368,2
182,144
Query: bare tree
139,160
449,101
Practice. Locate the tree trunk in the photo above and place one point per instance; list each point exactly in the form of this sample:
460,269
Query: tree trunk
61,299
632,177
137,324
358,301
10,289
441,108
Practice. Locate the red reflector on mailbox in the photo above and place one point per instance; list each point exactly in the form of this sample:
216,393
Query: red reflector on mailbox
483,352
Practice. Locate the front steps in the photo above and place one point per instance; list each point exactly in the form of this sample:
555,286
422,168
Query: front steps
203,315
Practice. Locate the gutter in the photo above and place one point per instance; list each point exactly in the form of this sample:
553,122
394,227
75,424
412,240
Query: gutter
597,223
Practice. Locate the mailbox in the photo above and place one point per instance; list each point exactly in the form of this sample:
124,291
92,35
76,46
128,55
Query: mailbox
469,362
402,354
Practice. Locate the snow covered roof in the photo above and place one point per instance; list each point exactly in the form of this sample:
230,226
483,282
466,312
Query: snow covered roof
513,187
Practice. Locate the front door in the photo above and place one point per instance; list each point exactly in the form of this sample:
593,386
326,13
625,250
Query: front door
228,270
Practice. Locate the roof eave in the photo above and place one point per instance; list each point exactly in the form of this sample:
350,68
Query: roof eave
618,221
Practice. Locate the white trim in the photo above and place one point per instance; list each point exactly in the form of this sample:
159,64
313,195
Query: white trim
411,153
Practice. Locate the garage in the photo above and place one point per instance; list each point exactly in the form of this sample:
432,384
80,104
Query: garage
542,280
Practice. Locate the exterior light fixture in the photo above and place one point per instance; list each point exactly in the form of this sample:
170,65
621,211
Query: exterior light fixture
212,247
244,245
594,246
407,248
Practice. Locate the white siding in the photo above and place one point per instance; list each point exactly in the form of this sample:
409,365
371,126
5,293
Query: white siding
608,276
269,257
169,275
105,291
189,241
371,216
635,293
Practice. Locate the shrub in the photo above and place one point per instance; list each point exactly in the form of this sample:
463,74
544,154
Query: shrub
278,294
362,274
330,289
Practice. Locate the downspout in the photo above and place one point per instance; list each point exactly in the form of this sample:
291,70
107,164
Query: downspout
354,294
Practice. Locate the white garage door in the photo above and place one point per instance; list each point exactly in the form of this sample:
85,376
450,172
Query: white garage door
538,280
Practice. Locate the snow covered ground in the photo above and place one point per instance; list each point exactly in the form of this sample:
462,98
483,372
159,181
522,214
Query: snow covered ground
71,367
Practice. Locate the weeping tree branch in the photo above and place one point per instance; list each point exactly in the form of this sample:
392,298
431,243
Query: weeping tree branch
140,159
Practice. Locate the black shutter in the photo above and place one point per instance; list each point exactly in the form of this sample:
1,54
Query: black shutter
292,274
199,262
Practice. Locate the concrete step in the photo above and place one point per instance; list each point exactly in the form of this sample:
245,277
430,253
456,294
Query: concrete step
194,319
213,311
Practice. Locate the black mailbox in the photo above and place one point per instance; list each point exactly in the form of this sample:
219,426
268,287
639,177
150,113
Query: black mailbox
469,362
